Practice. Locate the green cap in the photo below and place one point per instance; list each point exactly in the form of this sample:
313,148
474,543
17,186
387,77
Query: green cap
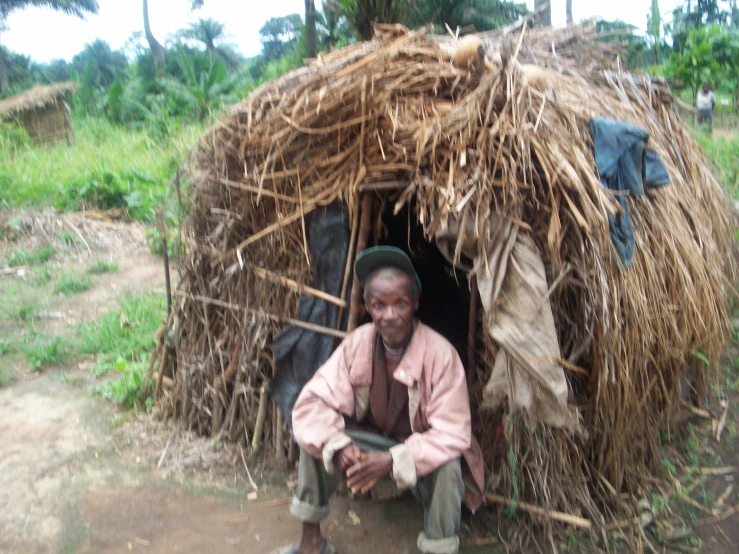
378,257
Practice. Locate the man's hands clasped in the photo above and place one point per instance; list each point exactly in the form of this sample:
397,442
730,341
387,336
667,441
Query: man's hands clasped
363,469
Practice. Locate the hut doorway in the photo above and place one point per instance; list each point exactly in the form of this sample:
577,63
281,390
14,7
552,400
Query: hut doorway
445,300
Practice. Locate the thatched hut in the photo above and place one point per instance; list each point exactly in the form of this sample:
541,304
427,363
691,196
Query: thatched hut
489,178
43,111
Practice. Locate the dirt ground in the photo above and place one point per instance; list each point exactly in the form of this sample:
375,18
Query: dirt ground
80,475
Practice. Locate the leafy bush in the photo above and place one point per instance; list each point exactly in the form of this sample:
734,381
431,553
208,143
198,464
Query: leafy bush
131,387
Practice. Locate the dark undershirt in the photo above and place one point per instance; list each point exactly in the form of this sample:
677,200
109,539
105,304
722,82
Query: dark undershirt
388,402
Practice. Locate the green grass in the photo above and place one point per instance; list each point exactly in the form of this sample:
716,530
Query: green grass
107,167
725,153
123,340
42,350
42,275
102,266
23,256
68,284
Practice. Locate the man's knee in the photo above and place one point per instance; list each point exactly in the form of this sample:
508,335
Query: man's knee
449,476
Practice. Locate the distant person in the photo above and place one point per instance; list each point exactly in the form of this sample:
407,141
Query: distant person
705,102
391,402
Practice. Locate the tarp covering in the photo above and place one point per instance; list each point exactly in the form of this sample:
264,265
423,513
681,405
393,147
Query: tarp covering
299,352
625,167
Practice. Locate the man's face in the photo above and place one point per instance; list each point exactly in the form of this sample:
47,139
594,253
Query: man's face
391,304
705,89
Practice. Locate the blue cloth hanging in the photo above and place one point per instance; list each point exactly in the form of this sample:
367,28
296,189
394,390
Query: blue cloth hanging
625,167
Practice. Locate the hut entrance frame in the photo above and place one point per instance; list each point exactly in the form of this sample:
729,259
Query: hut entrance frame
446,297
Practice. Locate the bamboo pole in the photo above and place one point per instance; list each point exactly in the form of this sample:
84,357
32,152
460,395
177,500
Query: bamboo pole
294,322
279,436
384,186
472,334
365,226
347,269
256,439
570,519
297,287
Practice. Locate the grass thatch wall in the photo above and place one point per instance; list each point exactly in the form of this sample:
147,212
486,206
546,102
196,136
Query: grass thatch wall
514,140
50,124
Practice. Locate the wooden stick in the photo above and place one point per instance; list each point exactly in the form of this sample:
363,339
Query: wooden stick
163,233
569,519
472,334
279,450
167,382
384,185
294,322
348,269
256,440
365,226
297,287
262,191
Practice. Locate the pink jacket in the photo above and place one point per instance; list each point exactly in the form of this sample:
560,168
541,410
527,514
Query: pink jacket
438,404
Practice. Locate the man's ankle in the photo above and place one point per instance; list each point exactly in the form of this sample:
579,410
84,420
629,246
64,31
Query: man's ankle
311,539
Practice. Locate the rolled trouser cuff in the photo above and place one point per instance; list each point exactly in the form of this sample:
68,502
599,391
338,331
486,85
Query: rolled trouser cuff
307,512
449,545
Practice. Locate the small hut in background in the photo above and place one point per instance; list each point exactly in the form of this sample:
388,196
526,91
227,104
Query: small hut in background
43,111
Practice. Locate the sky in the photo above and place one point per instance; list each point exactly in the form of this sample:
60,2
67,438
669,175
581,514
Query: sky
44,34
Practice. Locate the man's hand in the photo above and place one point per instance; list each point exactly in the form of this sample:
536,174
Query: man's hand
348,456
371,467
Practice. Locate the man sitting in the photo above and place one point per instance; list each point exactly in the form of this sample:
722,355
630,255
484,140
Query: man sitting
391,401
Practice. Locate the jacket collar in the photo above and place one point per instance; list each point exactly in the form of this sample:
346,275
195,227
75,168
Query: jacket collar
410,367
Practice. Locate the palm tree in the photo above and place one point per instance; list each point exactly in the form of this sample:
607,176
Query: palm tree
482,15
72,7
206,31
363,14
211,34
106,64
157,50
311,44
201,90
545,18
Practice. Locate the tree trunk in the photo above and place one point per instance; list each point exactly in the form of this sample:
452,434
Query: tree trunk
310,29
156,49
544,19
569,12
4,80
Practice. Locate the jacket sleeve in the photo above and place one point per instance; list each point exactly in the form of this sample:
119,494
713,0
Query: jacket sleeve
448,415
318,414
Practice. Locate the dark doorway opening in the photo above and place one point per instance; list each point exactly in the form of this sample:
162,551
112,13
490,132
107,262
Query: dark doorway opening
445,300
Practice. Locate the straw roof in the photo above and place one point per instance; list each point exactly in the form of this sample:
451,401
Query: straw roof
37,97
513,140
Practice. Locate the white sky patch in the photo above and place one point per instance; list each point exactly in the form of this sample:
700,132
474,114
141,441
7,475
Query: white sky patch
44,34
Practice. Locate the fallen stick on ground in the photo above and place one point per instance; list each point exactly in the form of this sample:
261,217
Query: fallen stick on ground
570,519
718,470
722,516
